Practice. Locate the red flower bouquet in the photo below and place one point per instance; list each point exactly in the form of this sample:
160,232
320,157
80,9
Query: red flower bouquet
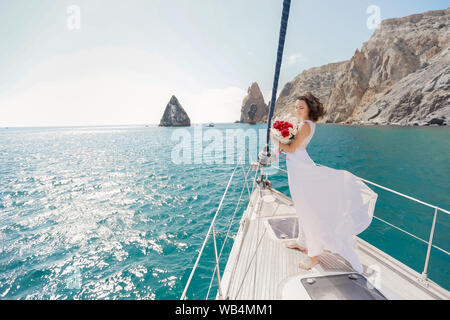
284,130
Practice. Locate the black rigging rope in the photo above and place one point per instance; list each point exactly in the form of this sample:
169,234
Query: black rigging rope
283,27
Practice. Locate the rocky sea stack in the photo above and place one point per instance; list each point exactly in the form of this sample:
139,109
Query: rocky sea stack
254,109
174,115
400,76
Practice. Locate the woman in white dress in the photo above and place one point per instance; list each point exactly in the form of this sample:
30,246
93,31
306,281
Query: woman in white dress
332,205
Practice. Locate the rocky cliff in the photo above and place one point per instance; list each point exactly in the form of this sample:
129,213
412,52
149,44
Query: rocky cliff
174,115
400,76
421,98
319,80
254,109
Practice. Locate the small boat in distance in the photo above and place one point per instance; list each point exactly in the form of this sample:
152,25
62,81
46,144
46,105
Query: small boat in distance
210,124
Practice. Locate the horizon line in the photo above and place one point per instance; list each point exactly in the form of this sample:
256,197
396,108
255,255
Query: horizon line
109,125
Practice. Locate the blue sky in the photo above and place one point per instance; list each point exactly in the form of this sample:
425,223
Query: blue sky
129,57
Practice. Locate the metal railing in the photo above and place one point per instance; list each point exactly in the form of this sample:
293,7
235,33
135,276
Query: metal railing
227,236
429,242
212,230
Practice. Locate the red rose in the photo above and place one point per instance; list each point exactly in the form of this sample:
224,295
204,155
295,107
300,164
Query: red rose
281,126
285,133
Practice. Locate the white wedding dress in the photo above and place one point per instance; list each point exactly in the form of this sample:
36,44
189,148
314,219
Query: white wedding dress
332,205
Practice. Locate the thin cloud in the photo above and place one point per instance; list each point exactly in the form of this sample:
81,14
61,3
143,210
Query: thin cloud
295,58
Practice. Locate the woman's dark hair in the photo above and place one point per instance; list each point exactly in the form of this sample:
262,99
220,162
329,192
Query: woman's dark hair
316,109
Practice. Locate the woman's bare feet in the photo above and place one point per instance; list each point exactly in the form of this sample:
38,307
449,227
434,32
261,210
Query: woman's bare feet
314,261
298,247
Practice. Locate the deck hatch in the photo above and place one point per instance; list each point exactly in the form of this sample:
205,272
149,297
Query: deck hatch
341,287
284,228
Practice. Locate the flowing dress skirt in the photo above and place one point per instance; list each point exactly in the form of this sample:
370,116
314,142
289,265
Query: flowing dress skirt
333,206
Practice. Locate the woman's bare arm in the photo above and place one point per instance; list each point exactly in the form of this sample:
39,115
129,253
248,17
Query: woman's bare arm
299,137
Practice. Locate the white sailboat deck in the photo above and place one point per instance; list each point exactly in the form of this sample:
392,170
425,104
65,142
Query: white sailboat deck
261,267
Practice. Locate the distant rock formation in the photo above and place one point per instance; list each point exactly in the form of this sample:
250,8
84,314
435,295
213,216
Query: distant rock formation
400,76
254,109
174,115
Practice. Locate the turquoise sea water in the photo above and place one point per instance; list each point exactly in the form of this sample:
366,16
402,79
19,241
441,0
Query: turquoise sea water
104,212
